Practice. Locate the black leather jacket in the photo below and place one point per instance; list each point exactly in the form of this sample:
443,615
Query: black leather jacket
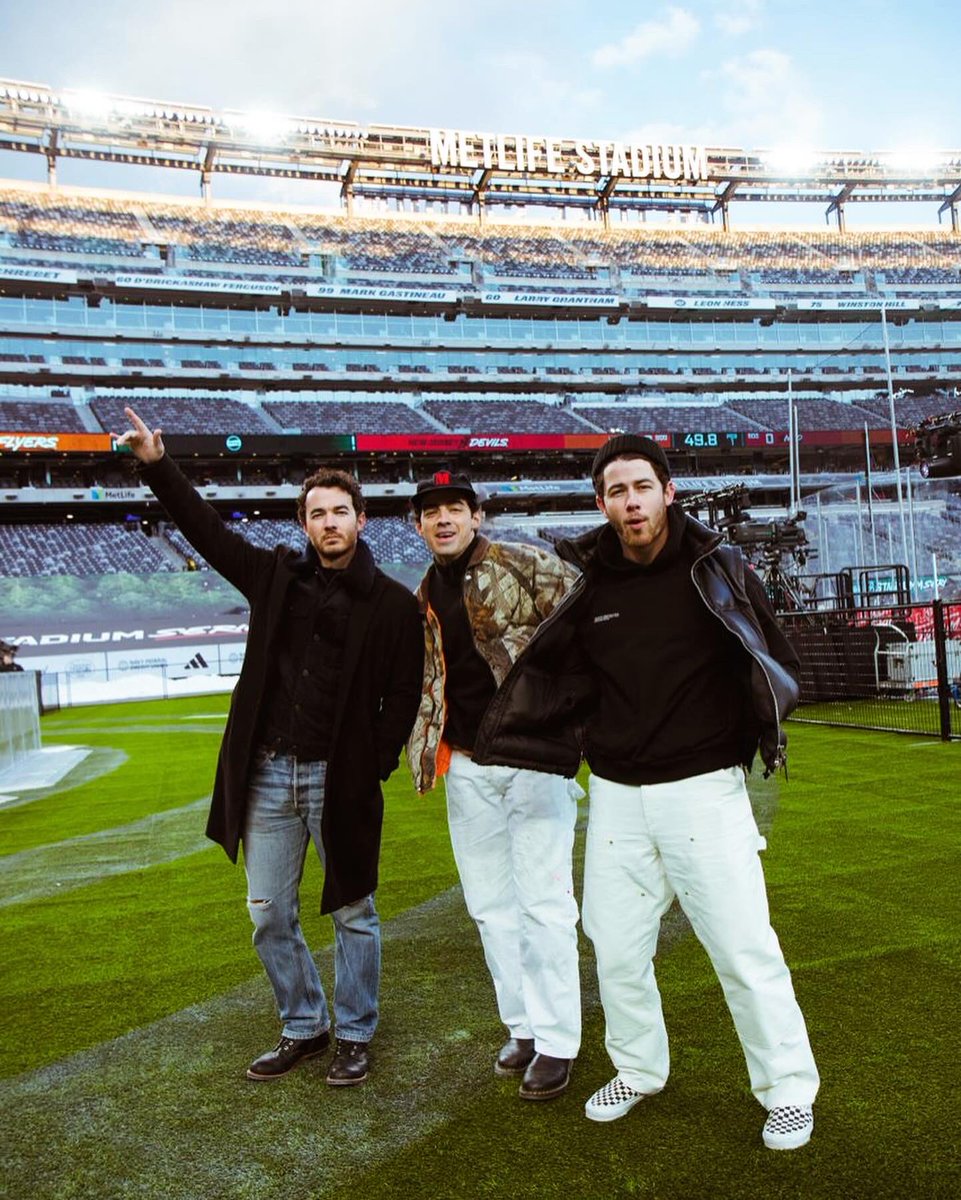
537,718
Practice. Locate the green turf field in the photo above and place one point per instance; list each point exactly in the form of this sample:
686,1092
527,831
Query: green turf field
132,1000
911,714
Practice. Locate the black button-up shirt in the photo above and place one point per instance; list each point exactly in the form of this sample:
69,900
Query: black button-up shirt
301,694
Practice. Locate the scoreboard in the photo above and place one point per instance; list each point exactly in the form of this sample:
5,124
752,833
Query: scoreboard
232,444
759,439
712,441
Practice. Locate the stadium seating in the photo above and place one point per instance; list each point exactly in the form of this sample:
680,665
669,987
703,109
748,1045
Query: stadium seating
492,416
391,539
811,414
264,533
39,416
909,410
95,227
551,534
80,549
666,417
238,360
395,540
294,244
180,414
329,415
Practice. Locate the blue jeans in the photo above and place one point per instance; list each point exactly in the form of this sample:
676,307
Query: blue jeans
284,805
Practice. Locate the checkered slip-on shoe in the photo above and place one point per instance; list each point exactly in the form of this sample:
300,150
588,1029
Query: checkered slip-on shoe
788,1127
613,1100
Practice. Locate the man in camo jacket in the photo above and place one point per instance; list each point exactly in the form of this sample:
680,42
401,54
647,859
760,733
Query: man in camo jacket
512,830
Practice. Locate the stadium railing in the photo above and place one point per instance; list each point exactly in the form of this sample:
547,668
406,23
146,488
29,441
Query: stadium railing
896,668
105,685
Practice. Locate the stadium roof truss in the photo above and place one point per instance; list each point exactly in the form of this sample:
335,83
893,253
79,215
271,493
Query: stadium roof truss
474,169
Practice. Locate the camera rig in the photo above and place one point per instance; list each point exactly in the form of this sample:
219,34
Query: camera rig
937,443
765,544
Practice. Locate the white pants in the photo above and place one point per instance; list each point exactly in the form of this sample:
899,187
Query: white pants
695,839
512,833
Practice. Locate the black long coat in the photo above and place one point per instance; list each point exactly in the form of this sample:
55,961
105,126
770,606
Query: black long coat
380,687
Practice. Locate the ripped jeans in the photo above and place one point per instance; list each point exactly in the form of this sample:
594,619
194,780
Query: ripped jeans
284,805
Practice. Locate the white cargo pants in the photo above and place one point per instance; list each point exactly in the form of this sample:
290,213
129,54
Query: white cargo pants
512,832
696,839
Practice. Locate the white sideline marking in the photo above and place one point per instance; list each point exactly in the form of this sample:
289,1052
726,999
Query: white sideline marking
42,768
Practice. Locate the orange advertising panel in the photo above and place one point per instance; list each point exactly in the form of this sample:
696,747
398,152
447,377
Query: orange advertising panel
54,443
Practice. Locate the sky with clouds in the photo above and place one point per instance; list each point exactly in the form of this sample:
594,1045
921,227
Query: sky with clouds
831,74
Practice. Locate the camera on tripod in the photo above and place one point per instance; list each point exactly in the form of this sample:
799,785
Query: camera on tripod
937,441
771,540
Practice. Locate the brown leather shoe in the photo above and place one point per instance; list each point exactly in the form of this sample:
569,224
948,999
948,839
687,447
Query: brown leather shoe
286,1055
545,1078
514,1057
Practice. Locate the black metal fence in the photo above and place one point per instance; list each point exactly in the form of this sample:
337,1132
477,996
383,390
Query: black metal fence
895,668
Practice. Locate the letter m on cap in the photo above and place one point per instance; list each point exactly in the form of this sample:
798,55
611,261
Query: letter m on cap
441,477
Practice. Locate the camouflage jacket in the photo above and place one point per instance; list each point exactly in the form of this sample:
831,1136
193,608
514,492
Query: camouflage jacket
509,589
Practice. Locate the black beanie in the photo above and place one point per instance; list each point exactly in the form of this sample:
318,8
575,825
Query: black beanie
629,443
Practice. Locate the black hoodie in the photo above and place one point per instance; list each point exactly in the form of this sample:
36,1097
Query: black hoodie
672,678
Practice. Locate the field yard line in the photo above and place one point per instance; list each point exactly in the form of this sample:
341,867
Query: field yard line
55,868
166,1110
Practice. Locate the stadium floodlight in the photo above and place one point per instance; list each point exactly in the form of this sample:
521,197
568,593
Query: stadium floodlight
265,126
790,162
94,106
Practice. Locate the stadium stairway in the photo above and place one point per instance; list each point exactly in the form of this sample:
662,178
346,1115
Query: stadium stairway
87,418
431,419
268,418
170,552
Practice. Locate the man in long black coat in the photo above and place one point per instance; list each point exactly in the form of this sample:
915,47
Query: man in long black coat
326,698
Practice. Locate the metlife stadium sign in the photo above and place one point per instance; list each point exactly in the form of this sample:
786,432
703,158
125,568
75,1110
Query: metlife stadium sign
526,153
110,654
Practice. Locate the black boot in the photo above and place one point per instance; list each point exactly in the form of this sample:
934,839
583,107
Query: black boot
286,1055
349,1065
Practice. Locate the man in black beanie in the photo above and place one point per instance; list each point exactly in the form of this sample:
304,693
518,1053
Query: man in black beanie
690,678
